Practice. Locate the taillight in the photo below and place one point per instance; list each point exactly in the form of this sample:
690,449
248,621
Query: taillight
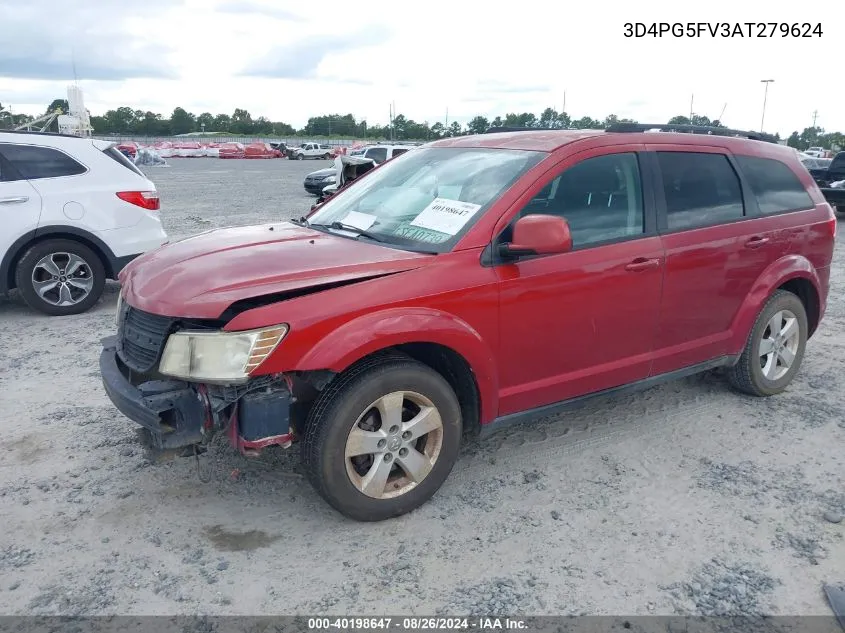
145,199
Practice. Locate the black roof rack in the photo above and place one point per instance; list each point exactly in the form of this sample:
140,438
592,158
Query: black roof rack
690,129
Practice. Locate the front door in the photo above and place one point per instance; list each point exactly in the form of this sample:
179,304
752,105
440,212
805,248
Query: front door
582,321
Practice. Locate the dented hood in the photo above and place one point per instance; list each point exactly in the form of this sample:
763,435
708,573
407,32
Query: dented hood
201,276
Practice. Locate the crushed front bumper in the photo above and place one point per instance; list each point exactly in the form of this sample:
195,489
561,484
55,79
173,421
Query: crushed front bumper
172,411
179,415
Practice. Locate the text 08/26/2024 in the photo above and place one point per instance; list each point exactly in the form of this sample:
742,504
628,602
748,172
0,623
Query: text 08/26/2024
722,29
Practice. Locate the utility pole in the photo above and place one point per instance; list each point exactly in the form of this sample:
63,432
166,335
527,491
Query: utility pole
691,99
765,97
815,114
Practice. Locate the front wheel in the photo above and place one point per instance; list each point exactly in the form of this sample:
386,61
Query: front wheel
382,438
60,277
327,156
300,157
775,347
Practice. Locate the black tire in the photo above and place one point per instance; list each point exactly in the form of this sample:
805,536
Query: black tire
327,156
339,406
747,375
27,265
300,157
840,210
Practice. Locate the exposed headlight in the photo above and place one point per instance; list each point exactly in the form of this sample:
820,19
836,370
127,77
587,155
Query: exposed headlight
220,357
330,179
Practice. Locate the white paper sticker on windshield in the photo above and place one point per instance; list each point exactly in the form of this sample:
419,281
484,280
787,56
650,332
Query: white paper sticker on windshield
359,220
446,216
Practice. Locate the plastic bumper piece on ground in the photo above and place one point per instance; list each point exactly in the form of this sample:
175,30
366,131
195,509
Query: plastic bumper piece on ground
172,411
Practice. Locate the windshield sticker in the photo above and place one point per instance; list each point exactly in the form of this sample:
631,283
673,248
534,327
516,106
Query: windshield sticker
446,216
360,220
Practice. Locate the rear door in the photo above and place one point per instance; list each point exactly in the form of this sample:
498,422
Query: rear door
716,248
20,206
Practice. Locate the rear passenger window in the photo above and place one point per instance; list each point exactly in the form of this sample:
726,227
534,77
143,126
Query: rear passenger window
700,190
775,185
399,151
40,162
601,199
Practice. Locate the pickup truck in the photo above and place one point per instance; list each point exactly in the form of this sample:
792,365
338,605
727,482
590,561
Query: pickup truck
827,177
311,150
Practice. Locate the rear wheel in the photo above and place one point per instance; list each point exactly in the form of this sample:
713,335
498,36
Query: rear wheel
382,438
775,347
60,277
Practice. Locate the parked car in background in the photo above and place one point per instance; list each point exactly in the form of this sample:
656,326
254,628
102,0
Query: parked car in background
312,150
816,152
231,150
260,150
474,283
318,180
829,175
74,212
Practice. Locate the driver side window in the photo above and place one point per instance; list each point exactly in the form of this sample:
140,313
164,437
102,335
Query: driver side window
601,198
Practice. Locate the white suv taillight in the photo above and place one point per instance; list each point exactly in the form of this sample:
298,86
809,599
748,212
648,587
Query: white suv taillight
145,199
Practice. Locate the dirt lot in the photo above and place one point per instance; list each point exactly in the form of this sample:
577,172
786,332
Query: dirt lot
686,498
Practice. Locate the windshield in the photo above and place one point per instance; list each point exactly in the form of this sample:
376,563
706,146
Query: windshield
427,199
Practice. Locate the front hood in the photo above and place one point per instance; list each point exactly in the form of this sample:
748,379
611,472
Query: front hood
321,173
201,276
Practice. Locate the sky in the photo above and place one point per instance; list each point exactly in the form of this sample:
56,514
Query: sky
288,60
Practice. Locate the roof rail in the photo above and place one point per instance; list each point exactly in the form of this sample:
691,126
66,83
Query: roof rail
689,129
39,133
495,130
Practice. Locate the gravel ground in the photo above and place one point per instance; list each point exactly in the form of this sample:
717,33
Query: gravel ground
685,499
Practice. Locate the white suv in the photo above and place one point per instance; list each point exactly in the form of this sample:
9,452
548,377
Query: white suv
312,150
73,212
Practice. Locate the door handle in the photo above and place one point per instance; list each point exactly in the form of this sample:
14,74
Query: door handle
14,200
642,263
756,242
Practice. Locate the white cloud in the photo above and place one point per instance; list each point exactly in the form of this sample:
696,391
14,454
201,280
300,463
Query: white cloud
469,58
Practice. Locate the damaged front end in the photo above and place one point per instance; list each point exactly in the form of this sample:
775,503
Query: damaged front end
180,417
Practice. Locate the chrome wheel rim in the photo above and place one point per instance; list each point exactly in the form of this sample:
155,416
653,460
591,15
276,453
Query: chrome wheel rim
779,345
62,279
394,444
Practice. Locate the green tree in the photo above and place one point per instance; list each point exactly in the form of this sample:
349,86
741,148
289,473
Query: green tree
58,104
222,123
181,121
205,122
478,125
455,129
242,122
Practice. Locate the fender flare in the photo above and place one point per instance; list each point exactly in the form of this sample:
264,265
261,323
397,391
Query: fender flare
371,333
110,262
778,273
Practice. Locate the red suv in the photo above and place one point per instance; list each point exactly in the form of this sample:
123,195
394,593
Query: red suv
472,283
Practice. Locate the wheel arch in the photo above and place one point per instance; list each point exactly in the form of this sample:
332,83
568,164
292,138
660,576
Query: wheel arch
793,273
10,260
446,344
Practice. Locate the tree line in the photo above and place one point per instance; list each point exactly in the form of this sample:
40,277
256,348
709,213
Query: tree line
126,121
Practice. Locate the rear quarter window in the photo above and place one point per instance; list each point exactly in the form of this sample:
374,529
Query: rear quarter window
118,156
33,163
776,187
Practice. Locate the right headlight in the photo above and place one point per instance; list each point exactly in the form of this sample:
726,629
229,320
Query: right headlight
219,357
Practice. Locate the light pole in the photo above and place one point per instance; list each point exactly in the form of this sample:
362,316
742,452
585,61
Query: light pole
765,96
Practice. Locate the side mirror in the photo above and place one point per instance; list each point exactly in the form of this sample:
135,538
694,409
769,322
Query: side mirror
538,235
